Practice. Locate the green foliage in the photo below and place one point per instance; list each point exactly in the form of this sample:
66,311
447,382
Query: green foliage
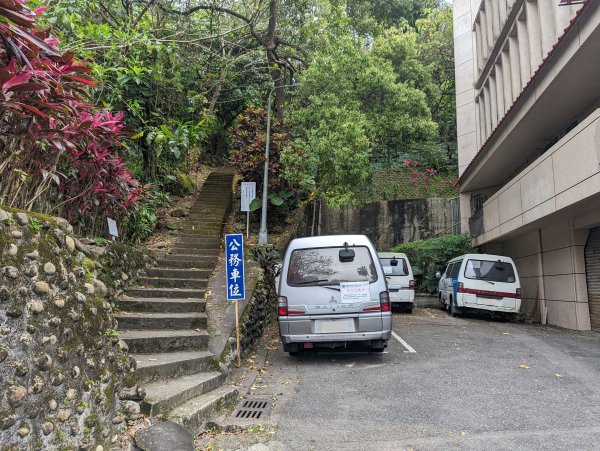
431,255
267,258
350,110
396,183
248,143
182,185
140,224
35,224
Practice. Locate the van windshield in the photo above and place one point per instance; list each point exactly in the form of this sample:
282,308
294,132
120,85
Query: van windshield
401,269
492,271
322,266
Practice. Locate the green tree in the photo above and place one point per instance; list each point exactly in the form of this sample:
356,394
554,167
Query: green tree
350,110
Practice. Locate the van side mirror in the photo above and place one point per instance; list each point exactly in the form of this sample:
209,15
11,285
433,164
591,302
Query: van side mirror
438,275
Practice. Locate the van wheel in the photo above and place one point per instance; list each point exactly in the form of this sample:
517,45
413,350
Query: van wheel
454,311
377,346
292,349
442,305
409,310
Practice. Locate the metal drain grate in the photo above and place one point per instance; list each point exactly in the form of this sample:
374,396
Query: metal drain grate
253,408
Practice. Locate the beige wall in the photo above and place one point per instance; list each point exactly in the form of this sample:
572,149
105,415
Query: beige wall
551,266
566,174
465,64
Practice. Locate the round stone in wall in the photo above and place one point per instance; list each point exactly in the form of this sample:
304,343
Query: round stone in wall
70,243
17,234
12,250
44,363
49,268
16,393
36,307
41,287
33,255
47,427
60,303
11,272
22,218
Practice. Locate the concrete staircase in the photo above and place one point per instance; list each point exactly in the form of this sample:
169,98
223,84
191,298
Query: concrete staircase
163,320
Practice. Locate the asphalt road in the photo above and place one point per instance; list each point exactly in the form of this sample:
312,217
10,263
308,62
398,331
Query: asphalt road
470,383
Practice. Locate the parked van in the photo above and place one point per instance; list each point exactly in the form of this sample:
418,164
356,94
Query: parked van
400,280
483,282
332,292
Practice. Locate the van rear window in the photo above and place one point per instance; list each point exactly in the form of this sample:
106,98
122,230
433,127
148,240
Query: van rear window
401,269
322,266
492,271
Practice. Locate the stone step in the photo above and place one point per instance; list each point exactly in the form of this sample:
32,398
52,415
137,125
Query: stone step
169,365
161,320
171,282
187,261
150,341
215,211
179,273
202,220
201,239
162,397
208,230
199,233
193,414
192,251
179,293
162,305
208,245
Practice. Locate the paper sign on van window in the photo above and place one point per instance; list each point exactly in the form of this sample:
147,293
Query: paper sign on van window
355,291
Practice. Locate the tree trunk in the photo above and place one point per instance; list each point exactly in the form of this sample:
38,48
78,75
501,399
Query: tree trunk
272,60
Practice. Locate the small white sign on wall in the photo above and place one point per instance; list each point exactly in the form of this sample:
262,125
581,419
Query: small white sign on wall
112,227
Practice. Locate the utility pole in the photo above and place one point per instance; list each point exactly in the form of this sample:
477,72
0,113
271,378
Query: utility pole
263,235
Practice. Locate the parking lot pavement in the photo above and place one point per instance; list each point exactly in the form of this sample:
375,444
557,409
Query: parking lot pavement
468,383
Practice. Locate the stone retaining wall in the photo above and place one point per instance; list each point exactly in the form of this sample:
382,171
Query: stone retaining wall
62,366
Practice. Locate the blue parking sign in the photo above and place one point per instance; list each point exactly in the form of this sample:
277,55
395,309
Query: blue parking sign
234,264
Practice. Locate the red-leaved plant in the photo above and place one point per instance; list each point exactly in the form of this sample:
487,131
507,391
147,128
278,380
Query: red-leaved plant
58,153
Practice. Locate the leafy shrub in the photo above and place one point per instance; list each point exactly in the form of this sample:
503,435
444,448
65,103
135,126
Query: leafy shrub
57,152
248,157
140,224
431,255
182,185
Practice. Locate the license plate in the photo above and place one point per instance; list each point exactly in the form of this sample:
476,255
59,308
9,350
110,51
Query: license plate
337,326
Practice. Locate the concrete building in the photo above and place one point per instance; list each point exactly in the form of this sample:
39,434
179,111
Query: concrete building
528,118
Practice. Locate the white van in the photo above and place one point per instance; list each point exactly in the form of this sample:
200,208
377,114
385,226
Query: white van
332,291
483,282
400,279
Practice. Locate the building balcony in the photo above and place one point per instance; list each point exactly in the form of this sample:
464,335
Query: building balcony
556,183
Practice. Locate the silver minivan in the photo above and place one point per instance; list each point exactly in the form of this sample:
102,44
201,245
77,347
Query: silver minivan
332,291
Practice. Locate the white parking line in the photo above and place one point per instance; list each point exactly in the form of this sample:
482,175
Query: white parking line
403,343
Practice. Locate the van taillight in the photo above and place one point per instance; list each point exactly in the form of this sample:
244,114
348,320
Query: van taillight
384,301
282,306
518,296
411,284
461,287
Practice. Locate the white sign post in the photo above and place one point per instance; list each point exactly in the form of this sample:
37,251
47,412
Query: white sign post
248,195
112,228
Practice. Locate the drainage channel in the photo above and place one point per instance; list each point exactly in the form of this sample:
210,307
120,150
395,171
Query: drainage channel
253,408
